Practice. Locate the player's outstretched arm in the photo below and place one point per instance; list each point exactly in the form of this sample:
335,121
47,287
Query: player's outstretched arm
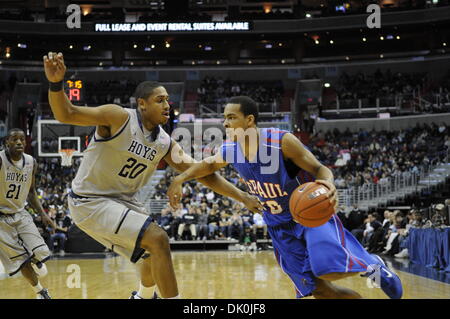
294,150
204,172
35,203
110,115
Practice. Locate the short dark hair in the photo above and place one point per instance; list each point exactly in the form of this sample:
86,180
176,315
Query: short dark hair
15,129
248,105
145,89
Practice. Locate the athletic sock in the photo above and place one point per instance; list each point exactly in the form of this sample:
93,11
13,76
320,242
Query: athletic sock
38,287
146,292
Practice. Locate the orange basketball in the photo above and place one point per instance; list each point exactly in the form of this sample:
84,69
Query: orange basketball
310,206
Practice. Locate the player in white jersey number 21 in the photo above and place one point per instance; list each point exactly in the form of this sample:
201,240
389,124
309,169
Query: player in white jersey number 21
22,248
121,157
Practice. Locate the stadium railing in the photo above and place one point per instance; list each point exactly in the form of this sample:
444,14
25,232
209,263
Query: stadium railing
398,185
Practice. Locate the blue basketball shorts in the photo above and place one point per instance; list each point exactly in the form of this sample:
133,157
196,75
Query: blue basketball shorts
305,253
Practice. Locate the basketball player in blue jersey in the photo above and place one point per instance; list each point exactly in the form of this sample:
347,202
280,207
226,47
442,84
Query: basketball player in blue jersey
273,165
125,150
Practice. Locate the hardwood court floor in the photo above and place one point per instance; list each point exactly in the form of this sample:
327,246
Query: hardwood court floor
201,275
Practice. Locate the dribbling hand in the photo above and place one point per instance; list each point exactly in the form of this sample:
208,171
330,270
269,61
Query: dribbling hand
332,193
54,67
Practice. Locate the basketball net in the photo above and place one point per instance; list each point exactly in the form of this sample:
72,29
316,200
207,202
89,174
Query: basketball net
66,156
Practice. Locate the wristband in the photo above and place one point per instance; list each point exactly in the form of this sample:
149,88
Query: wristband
55,86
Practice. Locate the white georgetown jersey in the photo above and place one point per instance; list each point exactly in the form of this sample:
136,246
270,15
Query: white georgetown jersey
119,166
15,183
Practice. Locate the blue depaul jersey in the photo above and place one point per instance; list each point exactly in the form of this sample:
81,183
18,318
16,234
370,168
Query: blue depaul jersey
268,176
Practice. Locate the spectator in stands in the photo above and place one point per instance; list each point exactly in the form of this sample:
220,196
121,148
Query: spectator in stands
63,222
236,225
378,239
247,218
259,224
370,225
248,240
202,223
342,216
355,219
400,248
189,220
213,223
166,219
224,225
177,218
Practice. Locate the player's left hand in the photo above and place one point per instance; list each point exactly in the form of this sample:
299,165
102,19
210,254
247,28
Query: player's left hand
332,193
174,192
48,221
252,203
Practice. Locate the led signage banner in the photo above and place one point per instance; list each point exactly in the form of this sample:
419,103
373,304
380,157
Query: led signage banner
173,27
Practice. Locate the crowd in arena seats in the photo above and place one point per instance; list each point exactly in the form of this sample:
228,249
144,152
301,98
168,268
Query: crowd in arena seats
218,91
369,87
204,214
388,234
362,158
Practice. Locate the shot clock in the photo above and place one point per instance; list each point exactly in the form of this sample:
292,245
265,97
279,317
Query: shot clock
75,90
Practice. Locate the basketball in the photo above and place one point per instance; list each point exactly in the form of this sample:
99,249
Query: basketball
310,206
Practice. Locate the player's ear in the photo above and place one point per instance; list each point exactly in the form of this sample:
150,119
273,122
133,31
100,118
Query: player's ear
140,104
251,119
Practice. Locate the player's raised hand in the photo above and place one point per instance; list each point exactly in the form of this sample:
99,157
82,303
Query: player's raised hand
174,192
252,203
54,66
332,192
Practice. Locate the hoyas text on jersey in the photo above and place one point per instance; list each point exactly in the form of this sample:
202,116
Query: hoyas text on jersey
142,150
16,177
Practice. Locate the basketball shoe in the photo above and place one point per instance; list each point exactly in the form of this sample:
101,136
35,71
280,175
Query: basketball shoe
43,294
389,282
134,295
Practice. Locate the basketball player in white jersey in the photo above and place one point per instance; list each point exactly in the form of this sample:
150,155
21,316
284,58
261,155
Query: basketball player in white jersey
121,157
21,246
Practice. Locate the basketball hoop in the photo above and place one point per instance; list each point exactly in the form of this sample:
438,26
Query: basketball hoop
66,156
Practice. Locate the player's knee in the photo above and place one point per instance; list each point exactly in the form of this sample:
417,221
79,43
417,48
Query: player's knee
155,239
41,253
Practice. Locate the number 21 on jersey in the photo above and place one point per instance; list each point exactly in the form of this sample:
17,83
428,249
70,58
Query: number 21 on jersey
13,191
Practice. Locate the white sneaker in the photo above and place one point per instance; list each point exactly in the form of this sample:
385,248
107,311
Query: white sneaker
403,254
134,295
62,253
42,271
